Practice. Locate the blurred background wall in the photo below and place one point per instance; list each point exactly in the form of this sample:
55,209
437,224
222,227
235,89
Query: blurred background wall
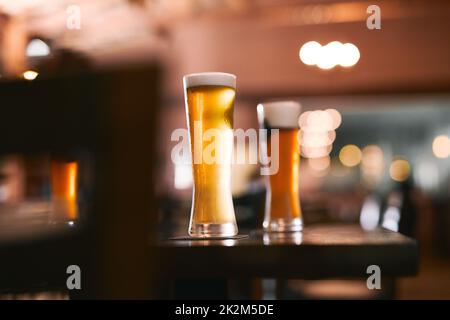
389,164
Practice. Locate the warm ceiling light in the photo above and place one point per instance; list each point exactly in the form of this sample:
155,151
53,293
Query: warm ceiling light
399,170
309,52
328,56
349,55
350,155
37,48
30,75
441,146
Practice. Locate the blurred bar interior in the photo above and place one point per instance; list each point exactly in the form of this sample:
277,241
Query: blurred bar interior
388,165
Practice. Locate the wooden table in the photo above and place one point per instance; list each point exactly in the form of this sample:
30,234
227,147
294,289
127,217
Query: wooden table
202,269
316,253
319,252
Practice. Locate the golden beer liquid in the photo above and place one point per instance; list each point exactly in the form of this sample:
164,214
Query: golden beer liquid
64,188
283,201
211,107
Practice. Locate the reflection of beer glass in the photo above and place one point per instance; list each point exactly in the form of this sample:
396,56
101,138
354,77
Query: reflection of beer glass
209,108
282,211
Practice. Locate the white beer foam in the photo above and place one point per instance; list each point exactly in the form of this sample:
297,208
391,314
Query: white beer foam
283,114
209,79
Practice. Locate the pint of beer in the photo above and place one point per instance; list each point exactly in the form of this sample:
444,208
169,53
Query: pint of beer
209,101
282,210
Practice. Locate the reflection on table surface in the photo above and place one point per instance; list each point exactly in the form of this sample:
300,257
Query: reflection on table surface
320,235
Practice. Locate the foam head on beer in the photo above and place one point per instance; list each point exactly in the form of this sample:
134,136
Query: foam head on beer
209,79
280,114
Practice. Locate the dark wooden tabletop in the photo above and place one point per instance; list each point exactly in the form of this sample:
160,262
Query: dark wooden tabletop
329,251
318,252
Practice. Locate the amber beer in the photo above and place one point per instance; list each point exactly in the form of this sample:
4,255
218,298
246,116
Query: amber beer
282,210
64,189
209,107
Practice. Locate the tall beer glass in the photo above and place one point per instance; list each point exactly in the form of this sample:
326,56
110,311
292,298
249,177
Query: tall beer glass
282,210
209,99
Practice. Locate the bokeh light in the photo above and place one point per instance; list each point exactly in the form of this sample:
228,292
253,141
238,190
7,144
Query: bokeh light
350,155
399,170
372,164
441,146
317,133
330,55
370,213
30,75
37,48
316,138
320,120
335,116
315,152
309,52
302,121
349,55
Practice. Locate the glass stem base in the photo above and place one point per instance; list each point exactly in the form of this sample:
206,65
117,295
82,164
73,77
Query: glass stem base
283,225
213,230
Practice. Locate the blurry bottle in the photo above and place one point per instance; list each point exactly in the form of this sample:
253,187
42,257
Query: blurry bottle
400,214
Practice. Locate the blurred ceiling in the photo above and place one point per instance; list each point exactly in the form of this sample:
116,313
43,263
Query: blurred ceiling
256,39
